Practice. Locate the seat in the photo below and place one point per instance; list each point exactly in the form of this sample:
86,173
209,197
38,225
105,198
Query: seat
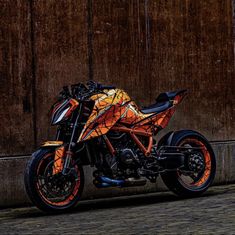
157,107
163,102
169,96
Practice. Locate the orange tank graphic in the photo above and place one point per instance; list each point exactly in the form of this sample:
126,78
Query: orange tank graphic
114,108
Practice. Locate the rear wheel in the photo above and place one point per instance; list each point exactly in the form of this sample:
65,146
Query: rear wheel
200,166
52,192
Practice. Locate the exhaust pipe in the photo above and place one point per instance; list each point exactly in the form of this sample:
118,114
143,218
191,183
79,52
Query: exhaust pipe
111,182
104,182
135,182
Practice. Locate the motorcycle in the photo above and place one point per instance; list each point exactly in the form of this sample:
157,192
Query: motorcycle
102,127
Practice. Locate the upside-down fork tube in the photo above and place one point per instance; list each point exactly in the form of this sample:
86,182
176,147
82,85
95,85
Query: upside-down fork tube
68,158
58,160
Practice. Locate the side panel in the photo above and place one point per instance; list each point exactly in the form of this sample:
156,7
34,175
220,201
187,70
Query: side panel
115,105
108,108
144,122
161,120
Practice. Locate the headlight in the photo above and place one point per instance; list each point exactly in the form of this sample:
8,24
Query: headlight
62,111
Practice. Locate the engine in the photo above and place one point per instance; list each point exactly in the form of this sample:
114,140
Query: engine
127,160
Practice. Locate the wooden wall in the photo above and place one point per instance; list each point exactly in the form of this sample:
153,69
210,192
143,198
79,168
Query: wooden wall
16,106
61,57
143,46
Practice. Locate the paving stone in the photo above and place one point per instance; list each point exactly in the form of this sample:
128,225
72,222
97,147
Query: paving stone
155,213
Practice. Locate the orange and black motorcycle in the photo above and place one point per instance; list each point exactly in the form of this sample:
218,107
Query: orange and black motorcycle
101,126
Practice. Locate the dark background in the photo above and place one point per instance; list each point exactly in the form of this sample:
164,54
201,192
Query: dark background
143,46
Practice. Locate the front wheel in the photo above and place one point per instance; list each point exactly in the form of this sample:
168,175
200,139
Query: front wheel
52,192
199,172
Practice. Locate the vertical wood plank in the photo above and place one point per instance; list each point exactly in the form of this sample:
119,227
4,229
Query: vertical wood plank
120,45
60,54
192,47
16,125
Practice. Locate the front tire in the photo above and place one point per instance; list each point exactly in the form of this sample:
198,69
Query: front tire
52,193
179,183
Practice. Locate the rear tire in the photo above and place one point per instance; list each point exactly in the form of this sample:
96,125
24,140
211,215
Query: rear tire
174,180
40,163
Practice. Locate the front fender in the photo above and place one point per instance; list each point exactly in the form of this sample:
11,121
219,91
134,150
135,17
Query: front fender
52,144
59,148
85,155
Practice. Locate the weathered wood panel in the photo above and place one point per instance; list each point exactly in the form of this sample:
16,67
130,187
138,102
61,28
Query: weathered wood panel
148,47
16,125
120,45
142,46
60,33
192,47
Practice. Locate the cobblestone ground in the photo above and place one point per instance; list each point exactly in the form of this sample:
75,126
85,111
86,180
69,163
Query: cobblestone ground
158,213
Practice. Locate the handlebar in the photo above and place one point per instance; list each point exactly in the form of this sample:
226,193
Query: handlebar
80,91
99,86
106,87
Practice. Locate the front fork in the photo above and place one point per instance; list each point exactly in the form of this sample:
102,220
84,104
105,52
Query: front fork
64,153
66,166
62,160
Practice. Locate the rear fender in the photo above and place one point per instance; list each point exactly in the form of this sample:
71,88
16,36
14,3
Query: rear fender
166,139
174,137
